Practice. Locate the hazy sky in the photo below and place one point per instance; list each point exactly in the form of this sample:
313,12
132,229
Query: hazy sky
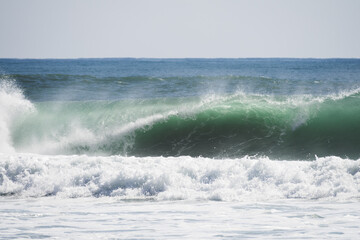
172,28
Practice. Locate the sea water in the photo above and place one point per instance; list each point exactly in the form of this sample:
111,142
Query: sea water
180,148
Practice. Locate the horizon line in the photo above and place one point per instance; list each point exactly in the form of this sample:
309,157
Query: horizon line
170,58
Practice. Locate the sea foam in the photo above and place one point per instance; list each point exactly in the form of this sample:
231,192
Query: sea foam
174,178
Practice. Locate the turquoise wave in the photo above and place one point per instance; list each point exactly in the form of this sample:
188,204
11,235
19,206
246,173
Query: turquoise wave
280,127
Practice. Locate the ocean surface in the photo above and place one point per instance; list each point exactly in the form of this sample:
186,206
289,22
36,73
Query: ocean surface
180,148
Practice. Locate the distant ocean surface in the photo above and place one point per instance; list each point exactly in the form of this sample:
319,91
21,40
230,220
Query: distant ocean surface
180,148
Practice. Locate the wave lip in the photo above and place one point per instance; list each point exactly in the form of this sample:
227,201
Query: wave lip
176,178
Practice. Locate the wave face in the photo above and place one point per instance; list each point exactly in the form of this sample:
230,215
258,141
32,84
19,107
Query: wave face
175,178
232,126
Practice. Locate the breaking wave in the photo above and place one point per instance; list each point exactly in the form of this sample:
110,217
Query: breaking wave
232,126
178,178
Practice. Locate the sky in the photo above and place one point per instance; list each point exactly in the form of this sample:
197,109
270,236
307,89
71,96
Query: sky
179,29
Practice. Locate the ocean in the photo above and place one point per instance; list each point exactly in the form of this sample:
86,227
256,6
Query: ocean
180,148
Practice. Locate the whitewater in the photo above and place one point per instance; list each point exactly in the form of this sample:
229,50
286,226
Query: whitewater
168,149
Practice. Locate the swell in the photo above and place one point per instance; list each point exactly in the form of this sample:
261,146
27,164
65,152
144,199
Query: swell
281,127
88,78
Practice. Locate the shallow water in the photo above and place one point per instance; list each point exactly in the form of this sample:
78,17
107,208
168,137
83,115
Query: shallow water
111,218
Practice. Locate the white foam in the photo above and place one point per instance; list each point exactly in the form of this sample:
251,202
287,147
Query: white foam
174,178
12,106
345,94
